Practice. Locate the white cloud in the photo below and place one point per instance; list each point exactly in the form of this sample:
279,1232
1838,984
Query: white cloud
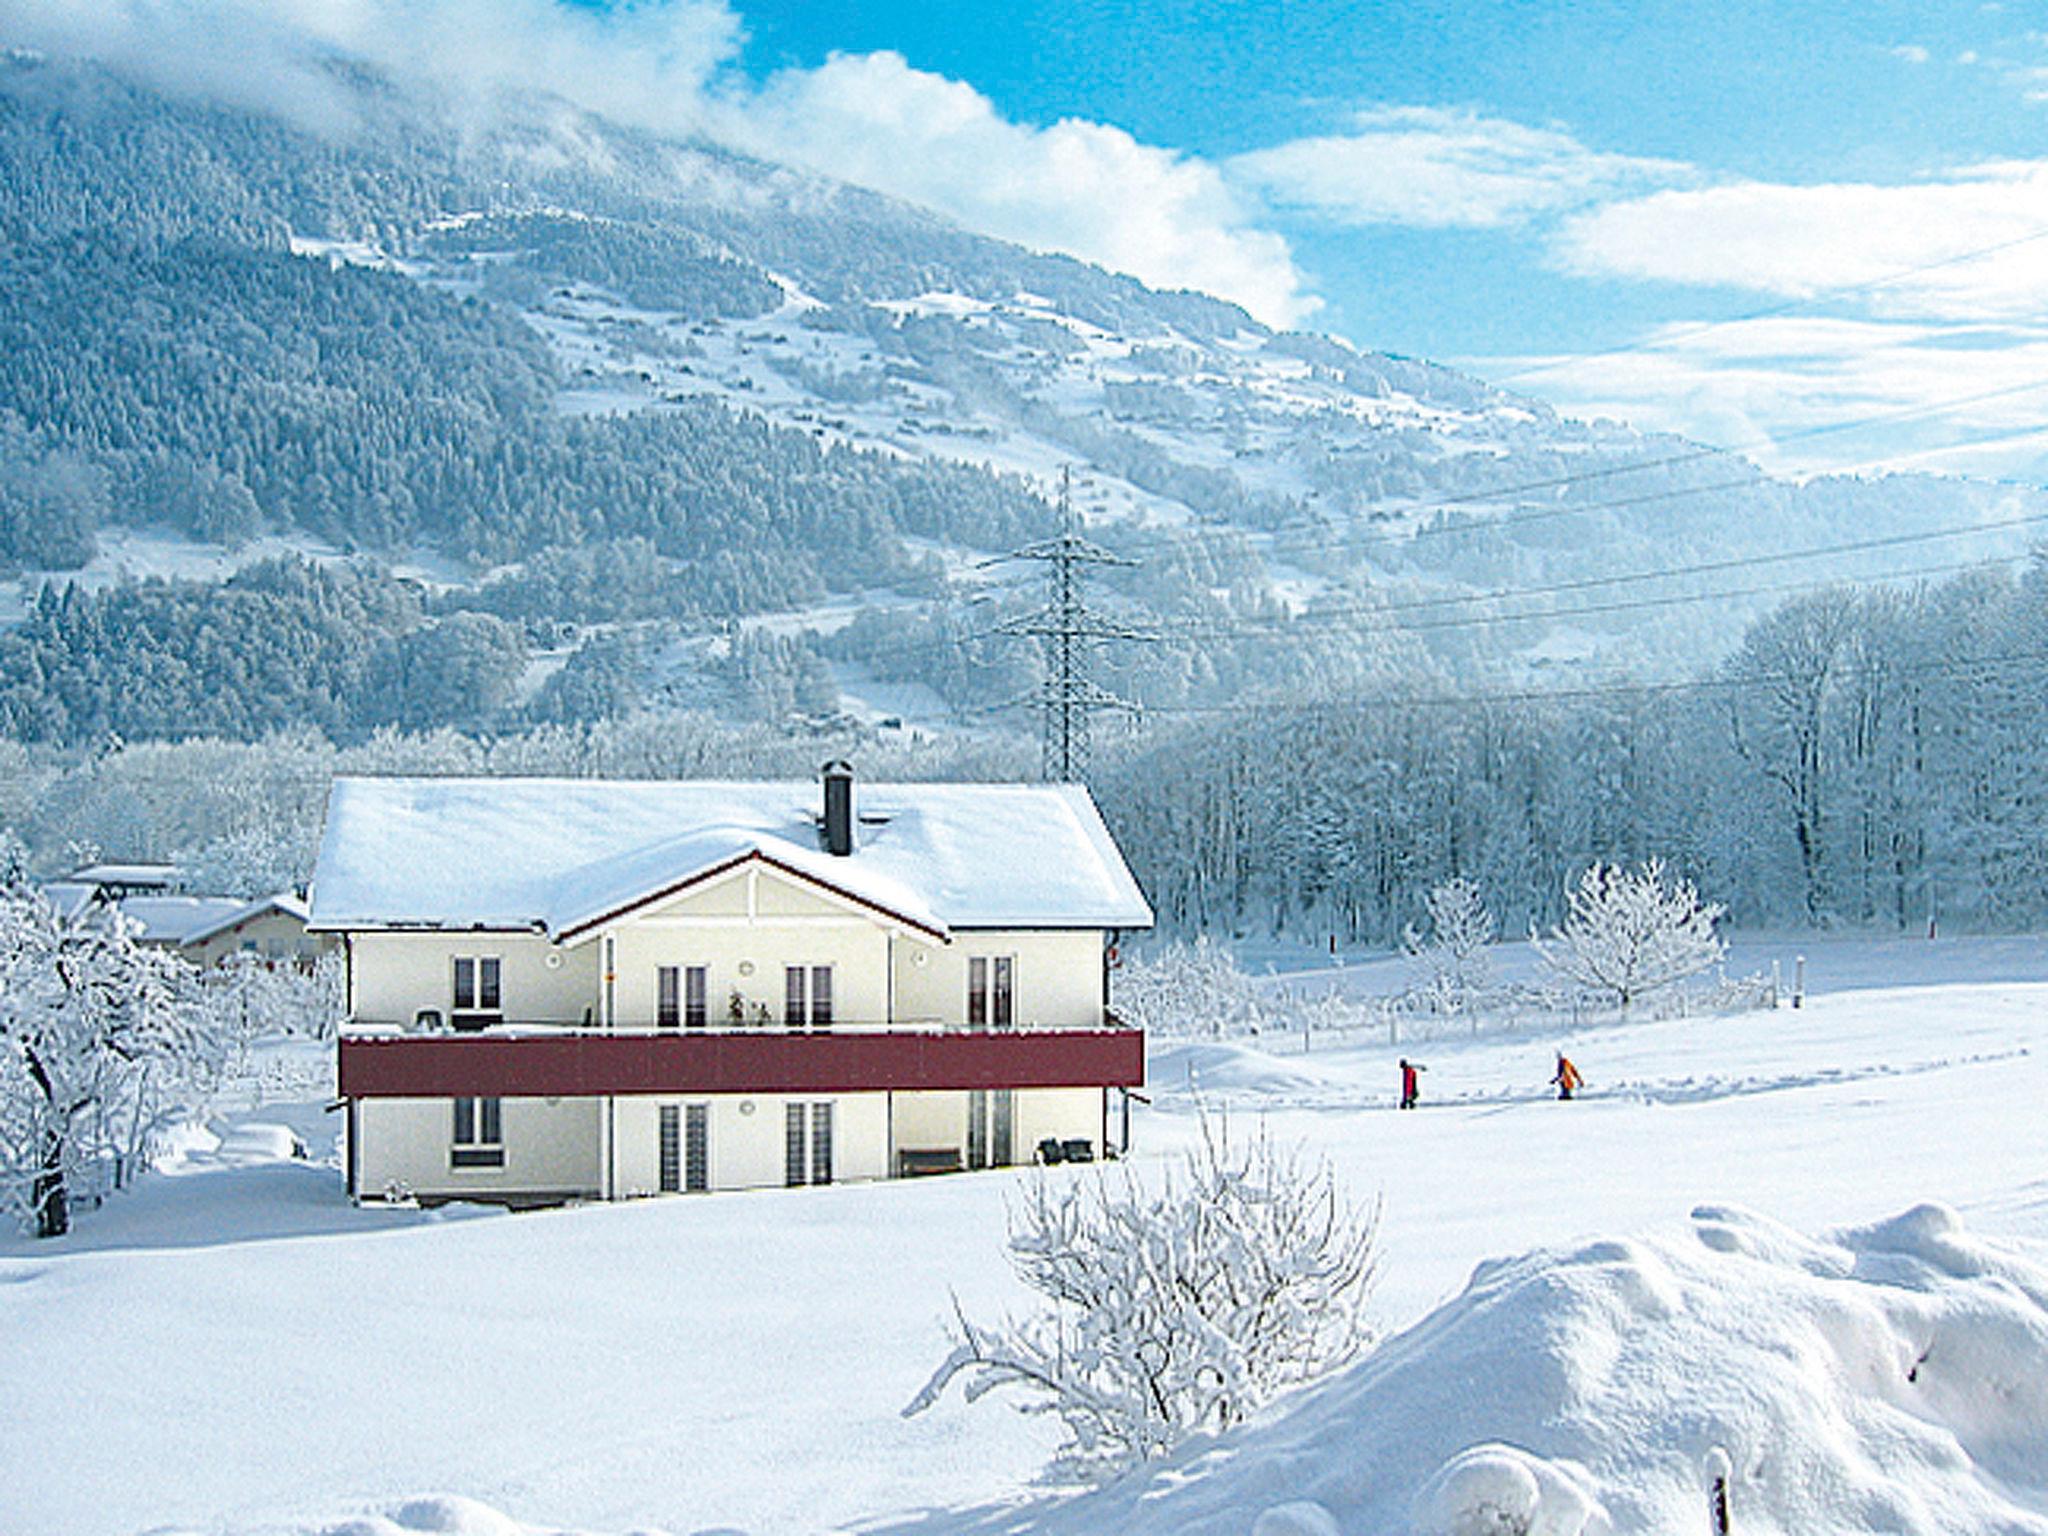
1804,394
645,64
1436,168
1915,249
1084,188
1912,53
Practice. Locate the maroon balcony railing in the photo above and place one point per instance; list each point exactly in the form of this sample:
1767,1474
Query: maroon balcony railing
578,1063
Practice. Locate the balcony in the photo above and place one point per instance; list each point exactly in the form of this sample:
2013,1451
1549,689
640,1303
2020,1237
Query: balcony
544,1061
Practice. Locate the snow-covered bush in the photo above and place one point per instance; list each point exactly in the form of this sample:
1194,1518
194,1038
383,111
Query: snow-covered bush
101,1041
1176,1312
1453,961
1188,989
1629,933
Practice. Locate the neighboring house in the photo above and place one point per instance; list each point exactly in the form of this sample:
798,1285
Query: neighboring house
273,927
563,989
204,929
167,922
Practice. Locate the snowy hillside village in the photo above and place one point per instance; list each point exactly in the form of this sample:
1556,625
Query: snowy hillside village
749,788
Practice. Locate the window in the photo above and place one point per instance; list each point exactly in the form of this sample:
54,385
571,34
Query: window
1002,1126
807,996
671,1150
680,994
685,1148
697,1148
479,1134
821,1143
795,1170
807,1158
992,992
991,1127
977,1128
478,1000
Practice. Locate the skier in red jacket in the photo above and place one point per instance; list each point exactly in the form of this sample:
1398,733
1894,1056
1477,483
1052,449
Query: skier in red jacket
1411,1088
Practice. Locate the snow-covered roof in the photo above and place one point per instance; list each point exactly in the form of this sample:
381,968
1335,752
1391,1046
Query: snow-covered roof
173,919
69,897
157,876
559,855
282,901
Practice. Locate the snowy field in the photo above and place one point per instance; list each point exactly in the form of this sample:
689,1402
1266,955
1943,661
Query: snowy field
230,1348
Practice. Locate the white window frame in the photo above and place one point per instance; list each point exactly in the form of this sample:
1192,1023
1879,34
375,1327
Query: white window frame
992,992
485,1002
808,993
479,1135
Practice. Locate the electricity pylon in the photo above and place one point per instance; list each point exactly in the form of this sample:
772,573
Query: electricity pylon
1068,631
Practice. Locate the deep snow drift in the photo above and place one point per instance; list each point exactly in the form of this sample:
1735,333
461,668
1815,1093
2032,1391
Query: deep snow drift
1892,1378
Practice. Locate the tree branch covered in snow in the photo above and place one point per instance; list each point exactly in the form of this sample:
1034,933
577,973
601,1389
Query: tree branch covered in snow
1630,933
1178,1312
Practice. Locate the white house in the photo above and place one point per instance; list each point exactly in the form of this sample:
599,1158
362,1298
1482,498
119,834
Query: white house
584,988
272,927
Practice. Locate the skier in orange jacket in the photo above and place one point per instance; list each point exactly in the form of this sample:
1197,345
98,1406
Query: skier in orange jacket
1567,1077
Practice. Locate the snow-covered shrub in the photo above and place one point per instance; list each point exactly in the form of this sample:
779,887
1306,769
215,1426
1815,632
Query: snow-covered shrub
1176,1312
101,1041
1453,961
1188,989
1629,933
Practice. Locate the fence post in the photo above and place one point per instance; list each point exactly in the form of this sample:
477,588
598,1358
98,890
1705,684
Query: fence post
1798,981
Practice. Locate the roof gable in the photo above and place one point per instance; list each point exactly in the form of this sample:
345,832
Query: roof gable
877,897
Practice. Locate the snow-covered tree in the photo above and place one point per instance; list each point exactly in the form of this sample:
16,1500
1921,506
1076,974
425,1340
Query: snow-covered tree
100,1041
14,860
1177,1312
1628,933
1454,959
1188,989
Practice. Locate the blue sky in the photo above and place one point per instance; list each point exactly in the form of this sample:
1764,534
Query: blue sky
1514,186
1581,198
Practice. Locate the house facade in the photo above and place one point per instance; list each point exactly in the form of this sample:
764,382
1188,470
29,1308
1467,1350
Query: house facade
578,989
273,928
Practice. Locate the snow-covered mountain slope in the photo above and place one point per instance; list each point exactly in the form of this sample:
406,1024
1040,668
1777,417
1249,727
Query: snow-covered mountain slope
1286,496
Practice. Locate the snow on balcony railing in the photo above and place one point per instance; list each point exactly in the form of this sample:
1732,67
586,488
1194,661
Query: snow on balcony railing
517,1029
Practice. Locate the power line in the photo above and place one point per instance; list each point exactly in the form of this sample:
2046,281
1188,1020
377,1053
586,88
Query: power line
1318,532
1732,683
1316,616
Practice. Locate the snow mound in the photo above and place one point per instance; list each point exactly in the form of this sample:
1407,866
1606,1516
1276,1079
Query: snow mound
441,1515
1228,1067
1890,1378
